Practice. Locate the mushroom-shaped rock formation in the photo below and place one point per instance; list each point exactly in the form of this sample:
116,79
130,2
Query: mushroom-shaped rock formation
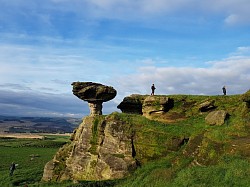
94,93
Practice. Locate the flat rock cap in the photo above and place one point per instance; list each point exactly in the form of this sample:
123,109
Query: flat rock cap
93,92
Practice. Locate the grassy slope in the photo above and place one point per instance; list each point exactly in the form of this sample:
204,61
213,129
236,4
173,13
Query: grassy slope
214,155
220,158
208,159
20,151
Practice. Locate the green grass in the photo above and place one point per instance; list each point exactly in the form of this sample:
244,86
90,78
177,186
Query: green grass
57,138
231,171
94,139
148,174
31,155
161,165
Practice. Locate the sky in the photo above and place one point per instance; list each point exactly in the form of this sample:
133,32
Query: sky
182,46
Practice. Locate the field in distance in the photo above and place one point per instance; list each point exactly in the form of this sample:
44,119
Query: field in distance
10,125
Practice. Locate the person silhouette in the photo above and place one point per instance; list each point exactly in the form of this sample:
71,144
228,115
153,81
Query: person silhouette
12,168
224,90
153,89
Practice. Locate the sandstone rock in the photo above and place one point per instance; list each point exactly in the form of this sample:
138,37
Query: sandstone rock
48,171
156,104
94,93
146,105
96,153
106,148
206,106
132,104
216,117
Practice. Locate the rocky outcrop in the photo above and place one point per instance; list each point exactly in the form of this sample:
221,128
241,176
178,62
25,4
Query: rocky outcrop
110,147
154,104
206,106
105,148
49,170
145,105
216,117
94,93
100,150
132,104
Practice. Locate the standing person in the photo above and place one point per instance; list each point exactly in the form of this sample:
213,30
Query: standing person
12,168
153,89
224,90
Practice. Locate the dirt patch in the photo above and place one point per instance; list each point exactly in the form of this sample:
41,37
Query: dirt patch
168,117
31,136
241,146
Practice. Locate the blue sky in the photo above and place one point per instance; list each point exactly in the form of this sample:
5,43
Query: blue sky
183,46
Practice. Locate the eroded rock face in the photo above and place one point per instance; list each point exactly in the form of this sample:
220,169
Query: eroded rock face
216,117
106,148
145,105
96,153
206,106
94,93
154,104
132,104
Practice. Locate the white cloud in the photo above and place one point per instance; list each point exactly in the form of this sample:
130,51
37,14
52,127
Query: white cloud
32,96
243,50
232,19
232,72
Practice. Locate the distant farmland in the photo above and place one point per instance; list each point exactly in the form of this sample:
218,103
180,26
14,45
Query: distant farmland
37,125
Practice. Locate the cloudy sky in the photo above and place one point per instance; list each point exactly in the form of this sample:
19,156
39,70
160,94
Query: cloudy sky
183,46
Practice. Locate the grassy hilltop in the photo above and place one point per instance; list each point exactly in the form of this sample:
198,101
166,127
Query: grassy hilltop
207,156
177,147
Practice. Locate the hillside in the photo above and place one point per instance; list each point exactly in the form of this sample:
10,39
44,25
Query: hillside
13,124
174,140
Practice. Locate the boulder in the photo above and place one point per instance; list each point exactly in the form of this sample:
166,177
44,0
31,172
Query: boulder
132,104
94,93
156,104
216,117
206,106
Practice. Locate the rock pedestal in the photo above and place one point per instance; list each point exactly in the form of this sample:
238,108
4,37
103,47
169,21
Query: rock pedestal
94,93
95,109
